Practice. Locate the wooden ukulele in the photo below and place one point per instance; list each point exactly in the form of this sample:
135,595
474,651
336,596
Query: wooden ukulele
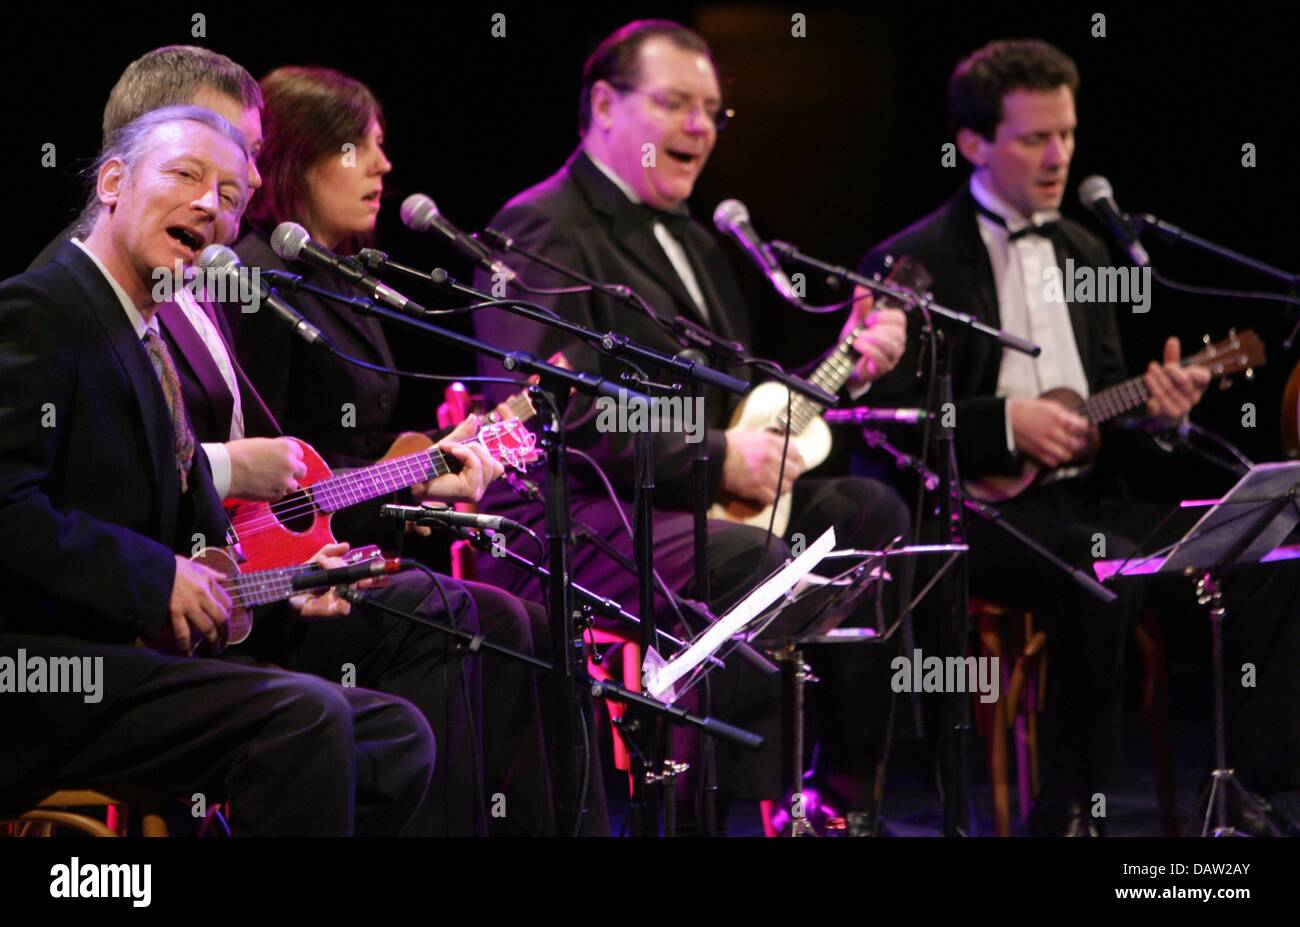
248,590
766,407
1237,353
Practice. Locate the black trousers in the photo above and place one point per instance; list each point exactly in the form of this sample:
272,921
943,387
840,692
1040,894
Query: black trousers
1081,742
294,755
377,650
866,514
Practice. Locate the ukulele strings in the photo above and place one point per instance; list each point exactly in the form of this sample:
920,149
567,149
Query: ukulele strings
273,516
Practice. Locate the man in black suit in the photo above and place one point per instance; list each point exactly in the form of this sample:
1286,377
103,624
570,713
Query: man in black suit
101,487
991,250
650,109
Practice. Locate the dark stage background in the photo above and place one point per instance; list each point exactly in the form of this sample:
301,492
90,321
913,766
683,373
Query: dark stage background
837,142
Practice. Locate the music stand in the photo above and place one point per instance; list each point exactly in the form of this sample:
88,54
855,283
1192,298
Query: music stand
1240,530
812,614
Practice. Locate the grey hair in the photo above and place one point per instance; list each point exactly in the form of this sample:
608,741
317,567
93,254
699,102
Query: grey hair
129,143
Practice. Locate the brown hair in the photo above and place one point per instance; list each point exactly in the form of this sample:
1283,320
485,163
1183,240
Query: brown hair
309,114
617,58
980,81
170,76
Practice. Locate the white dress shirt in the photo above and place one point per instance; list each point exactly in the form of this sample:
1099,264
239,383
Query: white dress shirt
1018,274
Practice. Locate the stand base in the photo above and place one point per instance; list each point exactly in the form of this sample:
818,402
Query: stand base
1220,779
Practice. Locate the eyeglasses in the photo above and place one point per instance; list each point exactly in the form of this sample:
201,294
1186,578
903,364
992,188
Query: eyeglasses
678,106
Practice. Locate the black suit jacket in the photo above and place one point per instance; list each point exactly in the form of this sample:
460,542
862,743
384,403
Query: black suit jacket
91,511
580,219
304,387
948,242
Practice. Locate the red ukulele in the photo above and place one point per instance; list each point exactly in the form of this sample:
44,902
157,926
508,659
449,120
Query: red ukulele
290,531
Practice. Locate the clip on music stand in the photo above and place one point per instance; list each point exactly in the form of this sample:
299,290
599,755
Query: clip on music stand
1240,530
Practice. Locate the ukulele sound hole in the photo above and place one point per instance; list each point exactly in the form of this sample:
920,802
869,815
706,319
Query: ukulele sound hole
295,511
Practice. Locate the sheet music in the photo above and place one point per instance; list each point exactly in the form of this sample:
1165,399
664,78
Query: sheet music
660,679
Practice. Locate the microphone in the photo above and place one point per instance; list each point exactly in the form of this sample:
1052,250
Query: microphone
866,414
220,260
291,242
1096,195
441,515
343,576
420,214
732,218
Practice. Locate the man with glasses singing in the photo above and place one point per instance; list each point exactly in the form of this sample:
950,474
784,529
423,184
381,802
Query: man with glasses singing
649,114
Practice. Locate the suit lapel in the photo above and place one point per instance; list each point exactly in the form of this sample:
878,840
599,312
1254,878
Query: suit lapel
711,269
258,420
973,260
195,353
137,369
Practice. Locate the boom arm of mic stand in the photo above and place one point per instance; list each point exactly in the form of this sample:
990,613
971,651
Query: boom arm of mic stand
588,383
1172,233
910,298
598,603
610,342
1080,578
689,334
600,689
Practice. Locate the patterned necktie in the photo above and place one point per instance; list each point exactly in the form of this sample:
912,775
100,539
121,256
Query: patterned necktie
1046,229
161,359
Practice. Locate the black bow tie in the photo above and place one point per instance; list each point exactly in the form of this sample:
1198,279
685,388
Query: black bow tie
1046,229
676,221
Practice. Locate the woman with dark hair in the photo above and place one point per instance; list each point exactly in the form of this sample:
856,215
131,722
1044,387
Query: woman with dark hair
323,166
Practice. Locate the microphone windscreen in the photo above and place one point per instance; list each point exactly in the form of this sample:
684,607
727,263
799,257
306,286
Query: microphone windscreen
218,257
287,240
417,212
1094,188
728,214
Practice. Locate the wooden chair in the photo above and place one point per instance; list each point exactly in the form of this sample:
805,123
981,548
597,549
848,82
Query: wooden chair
1009,634
68,808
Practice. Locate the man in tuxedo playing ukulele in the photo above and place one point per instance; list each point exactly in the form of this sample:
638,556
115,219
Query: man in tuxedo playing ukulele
649,112
1011,105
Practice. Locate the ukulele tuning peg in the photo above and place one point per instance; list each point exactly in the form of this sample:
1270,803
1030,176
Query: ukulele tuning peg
1250,373
1205,339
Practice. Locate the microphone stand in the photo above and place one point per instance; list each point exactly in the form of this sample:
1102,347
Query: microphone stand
703,346
1175,235
695,339
954,593
566,702
608,690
